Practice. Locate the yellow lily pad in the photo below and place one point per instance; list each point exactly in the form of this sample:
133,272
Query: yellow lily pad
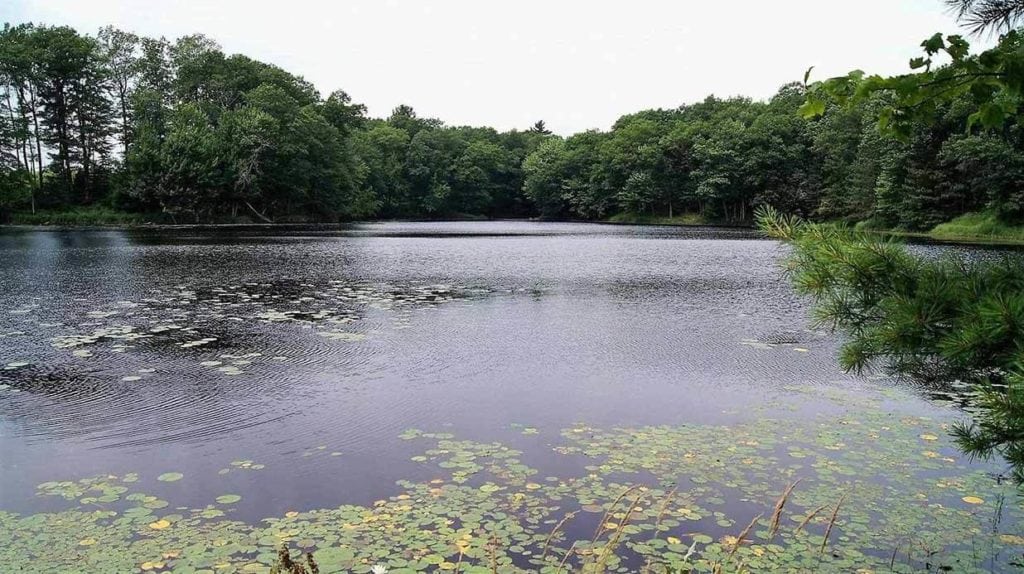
1012,539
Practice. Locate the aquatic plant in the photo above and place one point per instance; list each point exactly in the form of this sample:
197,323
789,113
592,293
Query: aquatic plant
857,489
285,564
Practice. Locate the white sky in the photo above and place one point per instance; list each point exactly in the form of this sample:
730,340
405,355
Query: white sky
577,64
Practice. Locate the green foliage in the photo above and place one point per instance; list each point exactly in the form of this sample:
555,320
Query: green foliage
991,80
203,135
15,190
718,158
978,226
185,129
997,428
984,170
381,151
984,15
938,320
642,219
933,318
84,216
543,171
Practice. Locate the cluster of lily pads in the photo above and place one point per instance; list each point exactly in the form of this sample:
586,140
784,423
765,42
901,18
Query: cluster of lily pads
201,319
865,491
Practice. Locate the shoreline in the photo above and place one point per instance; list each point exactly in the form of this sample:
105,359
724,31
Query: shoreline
926,236
950,239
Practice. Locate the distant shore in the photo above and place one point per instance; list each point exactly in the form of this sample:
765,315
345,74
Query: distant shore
971,228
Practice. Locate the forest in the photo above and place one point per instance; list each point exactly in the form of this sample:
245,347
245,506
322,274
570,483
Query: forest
181,132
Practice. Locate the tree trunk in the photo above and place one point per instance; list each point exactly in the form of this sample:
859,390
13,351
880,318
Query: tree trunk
258,214
18,144
63,149
84,142
124,122
39,145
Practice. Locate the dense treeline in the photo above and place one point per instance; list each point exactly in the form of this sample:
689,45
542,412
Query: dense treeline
722,158
184,130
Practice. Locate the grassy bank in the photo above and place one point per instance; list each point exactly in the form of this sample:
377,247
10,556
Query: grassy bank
638,219
981,226
100,216
968,228
97,216
84,216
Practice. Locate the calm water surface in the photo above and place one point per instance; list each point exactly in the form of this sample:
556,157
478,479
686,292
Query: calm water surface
310,350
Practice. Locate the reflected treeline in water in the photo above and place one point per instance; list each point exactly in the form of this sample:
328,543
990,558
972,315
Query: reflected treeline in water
945,321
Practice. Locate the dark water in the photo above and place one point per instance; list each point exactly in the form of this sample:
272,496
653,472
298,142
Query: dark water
204,346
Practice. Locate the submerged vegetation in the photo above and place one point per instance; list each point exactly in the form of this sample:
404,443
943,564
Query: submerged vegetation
855,490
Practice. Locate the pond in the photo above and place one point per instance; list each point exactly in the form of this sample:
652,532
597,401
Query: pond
472,397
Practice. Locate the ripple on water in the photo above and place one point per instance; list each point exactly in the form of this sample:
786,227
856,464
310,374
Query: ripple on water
198,344
191,363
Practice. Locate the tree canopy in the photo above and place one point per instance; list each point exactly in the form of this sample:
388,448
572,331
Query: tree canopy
183,131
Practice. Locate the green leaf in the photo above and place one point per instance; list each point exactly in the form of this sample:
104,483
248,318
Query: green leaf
934,44
885,118
813,107
958,47
990,115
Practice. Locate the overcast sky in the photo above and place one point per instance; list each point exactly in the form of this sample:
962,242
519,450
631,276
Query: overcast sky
577,64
